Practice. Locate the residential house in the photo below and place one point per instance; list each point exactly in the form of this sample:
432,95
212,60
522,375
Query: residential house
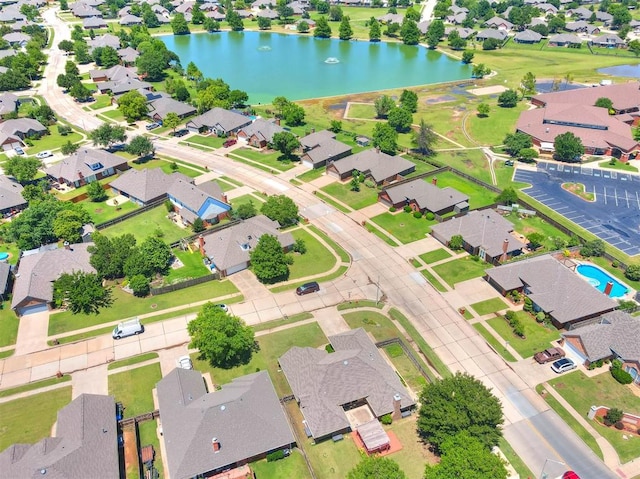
158,109
86,166
582,13
216,15
635,25
13,132
128,56
227,250
527,36
321,147
82,10
616,335
146,186
604,17
424,196
547,8
121,87
267,13
33,288
327,385
260,132
484,233
582,27
206,201
553,288
499,23
106,40
499,35
9,103
129,20
92,23
206,433
185,7
219,121
85,441
6,283
382,168
456,18
390,18
11,14
115,73
11,199
625,97
17,39
424,26
609,40
464,33
564,40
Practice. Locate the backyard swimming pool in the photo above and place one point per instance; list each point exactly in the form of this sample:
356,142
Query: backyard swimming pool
599,279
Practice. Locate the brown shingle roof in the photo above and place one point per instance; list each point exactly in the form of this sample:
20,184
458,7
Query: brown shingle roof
426,195
148,184
376,163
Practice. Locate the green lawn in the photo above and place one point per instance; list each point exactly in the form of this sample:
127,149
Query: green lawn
500,348
102,212
344,256
405,367
165,165
115,115
414,455
241,200
52,141
379,325
365,111
333,460
404,226
233,181
435,256
126,305
140,358
534,224
269,160
102,101
316,260
478,196
492,129
212,141
489,306
193,267
311,175
290,467
618,165
461,269
276,323
9,323
432,279
364,303
34,385
147,434
147,224
355,199
537,336
133,388
272,346
18,424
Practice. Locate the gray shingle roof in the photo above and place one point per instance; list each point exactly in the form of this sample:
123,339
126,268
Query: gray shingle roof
617,332
327,150
148,184
565,38
165,105
245,416
426,195
262,129
85,444
116,73
323,382
528,36
376,163
314,139
8,103
84,163
10,193
192,197
225,249
219,118
106,40
492,33
37,272
22,126
553,287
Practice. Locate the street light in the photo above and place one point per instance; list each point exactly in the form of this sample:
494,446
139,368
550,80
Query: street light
544,475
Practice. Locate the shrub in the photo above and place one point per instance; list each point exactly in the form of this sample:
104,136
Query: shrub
198,225
615,264
613,416
64,130
540,317
393,209
174,166
275,456
417,214
328,348
299,246
510,315
95,192
456,242
139,284
633,272
407,209
430,216
518,329
621,376
619,425
369,184
168,205
475,257
528,304
592,248
386,419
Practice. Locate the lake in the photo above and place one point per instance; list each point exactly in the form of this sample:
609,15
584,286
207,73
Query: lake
632,71
266,65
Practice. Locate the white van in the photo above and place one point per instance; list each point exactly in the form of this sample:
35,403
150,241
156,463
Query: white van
127,328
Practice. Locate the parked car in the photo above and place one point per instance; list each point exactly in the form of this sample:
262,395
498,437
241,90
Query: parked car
223,307
230,142
570,475
18,150
127,328
184,362
307,288
563,365
44,154
508,163
119,411
549,355
152,126
181,133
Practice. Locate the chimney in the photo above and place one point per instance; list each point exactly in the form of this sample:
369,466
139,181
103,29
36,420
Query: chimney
277,121
68,247
608,288
201,243
434,181
80,175
224,198
397,414
215,444
505,248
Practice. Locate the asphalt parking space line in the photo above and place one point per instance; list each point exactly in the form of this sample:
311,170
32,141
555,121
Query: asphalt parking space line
615,192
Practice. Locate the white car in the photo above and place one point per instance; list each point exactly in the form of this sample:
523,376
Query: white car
44,154
563,365
184,362
223,307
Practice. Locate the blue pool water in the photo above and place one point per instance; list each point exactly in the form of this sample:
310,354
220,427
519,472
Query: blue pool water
4,256
599,279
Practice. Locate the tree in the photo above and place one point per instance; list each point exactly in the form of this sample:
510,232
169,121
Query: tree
491,44
400,119
425,138
264,23
285,142
604,102
81,52
64,5
480,70
633,273
508,99
434,33
68,224
22,169
303,26
108,255
293,114
556,23
336,126
376,467
38,192
535,240
133,106
592,248
198,225
109,57
568,147
280,208
455,41
156,254
197,15
409,32
465,457
621,15
79,91
409,100
141,146
95,192
179,25
385,137
514,142
140,286
323,29
375,34
69,148
483,110
107,134
81,292
223,340
383,105
508,196
172,120
245,210
235,21
634,47
456,242
335,13
345,31
66,46
528,84
211,25
459,403
268,260
467,56
194,73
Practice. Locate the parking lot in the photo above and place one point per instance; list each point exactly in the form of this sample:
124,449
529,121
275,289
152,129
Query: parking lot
614,216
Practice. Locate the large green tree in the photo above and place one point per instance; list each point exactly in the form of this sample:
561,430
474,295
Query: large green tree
141,146
459,403
568,147
385,137
376,467
345,31
285,142
400,119
133,106
81,292
172,120
223,340
108,255
409,100
508,99
410,33
425,138
528,84
383,105
22,169
268,261
375,34
434,33
179,25
515,142
323,29
280,208
108,134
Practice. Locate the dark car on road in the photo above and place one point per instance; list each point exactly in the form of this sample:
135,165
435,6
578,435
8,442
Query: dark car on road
548,355
181,133
307,288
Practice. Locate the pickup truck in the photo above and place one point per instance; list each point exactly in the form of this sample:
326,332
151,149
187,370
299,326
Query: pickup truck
548,355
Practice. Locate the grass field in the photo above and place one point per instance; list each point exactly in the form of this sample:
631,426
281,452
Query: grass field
287,468
101,101
414,455
618,165
462,269
478,196
489,306
115,115
140,358
9,323
333,460
379,325
500,348
405,367
212,141
311,175
435,256
34,385
193,267
404,226
272,346
148,223
316,260
268,160
535,224
491,130
432,279
102,212
133,388
537,336
355,199
344,256
18,424
52,141
165,165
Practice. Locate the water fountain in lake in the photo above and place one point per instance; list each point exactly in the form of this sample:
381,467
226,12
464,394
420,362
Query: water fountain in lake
332,60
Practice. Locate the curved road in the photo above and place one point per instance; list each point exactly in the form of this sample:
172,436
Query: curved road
536,433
